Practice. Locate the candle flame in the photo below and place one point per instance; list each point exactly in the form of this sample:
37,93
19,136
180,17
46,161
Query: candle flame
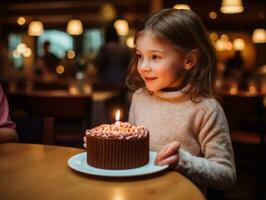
117,115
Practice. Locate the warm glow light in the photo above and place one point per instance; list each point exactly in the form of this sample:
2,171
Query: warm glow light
60,69
224,37
21,47
118,193
252,87
130,42
182,6
71,54
121,27
108,12
218,83
213,15
259,36
87,89
35,28
233,90
232,6
21,21
239,44
262,70
80,75
16,54
213,36
223,43
74,27
27,53
73,90
117,115
252,90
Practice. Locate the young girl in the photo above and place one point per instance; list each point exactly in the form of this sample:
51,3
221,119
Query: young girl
173,73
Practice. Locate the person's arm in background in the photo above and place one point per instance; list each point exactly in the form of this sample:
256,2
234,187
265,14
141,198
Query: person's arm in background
7,127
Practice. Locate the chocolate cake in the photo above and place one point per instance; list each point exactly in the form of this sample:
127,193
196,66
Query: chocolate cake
117,146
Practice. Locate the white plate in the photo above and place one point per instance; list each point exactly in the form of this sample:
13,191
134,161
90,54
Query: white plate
78,162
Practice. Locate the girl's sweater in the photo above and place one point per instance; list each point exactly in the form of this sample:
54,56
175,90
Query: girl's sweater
205,156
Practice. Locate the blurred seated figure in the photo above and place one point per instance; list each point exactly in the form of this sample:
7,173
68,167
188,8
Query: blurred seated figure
113,58
7,127
48,62
234,67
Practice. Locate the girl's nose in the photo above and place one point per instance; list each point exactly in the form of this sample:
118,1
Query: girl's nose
145,66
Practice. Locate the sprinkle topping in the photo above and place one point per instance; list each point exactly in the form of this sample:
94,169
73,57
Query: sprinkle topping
121,130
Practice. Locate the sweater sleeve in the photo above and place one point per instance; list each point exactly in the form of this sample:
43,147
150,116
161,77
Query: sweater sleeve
216,169
5,121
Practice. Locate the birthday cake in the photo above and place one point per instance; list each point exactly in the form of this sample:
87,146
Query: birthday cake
117,146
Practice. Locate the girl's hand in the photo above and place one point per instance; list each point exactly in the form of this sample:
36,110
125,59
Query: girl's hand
168,155
84,140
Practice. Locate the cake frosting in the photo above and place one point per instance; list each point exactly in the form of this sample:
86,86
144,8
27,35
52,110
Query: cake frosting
118,130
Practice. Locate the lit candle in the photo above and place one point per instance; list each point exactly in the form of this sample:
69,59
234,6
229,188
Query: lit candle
117,117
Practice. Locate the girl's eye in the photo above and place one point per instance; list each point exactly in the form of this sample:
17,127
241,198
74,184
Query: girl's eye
139,56
155,57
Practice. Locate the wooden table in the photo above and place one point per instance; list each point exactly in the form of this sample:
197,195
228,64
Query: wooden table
30,171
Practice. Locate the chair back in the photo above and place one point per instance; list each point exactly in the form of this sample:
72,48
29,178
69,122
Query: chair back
65,117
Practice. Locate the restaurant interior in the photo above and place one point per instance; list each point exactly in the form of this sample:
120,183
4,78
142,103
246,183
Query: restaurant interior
54,99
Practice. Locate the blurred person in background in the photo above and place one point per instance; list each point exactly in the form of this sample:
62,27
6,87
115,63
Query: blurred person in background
48,62
113,58
234,66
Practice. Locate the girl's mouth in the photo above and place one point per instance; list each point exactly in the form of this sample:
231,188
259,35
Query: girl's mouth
148,79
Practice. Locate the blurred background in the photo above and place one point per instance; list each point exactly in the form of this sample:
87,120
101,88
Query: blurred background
63,64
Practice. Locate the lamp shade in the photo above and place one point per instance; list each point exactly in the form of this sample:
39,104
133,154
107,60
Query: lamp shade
259,36
239,44
232,6
74,27
182,6
121,27
35,28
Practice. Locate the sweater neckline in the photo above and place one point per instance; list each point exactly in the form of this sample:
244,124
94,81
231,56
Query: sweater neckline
173,95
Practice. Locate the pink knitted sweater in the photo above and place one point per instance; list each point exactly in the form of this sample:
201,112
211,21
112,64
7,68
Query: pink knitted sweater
206,154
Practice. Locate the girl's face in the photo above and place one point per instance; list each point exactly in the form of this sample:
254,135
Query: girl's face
159,64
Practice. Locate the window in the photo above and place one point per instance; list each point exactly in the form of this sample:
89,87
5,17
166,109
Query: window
60,42
14,40
92,40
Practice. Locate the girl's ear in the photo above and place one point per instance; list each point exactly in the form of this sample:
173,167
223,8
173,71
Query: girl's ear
191,59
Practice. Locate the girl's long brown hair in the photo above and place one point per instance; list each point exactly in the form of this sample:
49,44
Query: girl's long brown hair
184,30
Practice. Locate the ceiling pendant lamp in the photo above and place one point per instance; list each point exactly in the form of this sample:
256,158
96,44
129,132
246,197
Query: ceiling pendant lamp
74,27
232,6
121,27
182,6
35,28
259,36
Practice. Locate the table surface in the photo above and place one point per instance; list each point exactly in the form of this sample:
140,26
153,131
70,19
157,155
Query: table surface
31,171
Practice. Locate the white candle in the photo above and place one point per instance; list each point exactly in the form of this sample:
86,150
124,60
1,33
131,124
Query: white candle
117,117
